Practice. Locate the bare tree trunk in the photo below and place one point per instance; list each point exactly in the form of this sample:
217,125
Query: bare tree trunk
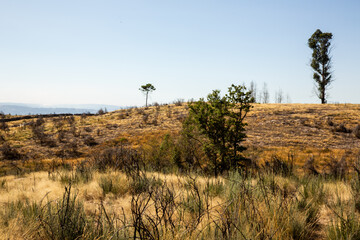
147,93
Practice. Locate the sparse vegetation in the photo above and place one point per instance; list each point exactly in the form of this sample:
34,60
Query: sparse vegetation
118,177
138,204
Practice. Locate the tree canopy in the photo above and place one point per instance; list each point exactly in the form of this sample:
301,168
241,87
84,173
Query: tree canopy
320,43
220,120
147,88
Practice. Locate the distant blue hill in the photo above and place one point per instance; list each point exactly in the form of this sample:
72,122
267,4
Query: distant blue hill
95,107
31,109
23,110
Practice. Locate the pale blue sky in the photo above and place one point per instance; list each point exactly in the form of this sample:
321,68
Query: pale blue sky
82,51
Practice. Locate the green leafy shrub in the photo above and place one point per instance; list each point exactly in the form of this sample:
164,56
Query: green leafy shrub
220,119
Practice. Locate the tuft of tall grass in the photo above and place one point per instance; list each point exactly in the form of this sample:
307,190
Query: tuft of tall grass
346,223
279,166
114,184
79,175
63,219
214,188
142,183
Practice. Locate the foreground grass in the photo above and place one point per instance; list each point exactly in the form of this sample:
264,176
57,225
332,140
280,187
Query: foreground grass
89,204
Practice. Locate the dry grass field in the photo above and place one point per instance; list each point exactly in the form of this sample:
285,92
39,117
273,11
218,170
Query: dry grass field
60,177
309,130
266,206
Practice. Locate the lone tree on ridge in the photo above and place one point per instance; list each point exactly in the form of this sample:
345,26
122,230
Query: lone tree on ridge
147,88
320,42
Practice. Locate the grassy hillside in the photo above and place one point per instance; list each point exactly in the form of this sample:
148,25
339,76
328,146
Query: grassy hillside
310,130
124,174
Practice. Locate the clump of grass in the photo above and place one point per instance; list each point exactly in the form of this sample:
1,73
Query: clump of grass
214,188
346,223
63,219
23,211
142,184
82,174
308,204
115,184
193,200
279,166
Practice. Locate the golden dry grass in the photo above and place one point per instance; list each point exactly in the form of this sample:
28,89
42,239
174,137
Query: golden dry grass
308,130
42,187
301,130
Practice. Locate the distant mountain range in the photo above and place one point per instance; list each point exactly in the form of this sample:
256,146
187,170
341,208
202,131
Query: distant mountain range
30,109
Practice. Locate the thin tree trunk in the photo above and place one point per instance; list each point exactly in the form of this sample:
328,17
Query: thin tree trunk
322,94
146,98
